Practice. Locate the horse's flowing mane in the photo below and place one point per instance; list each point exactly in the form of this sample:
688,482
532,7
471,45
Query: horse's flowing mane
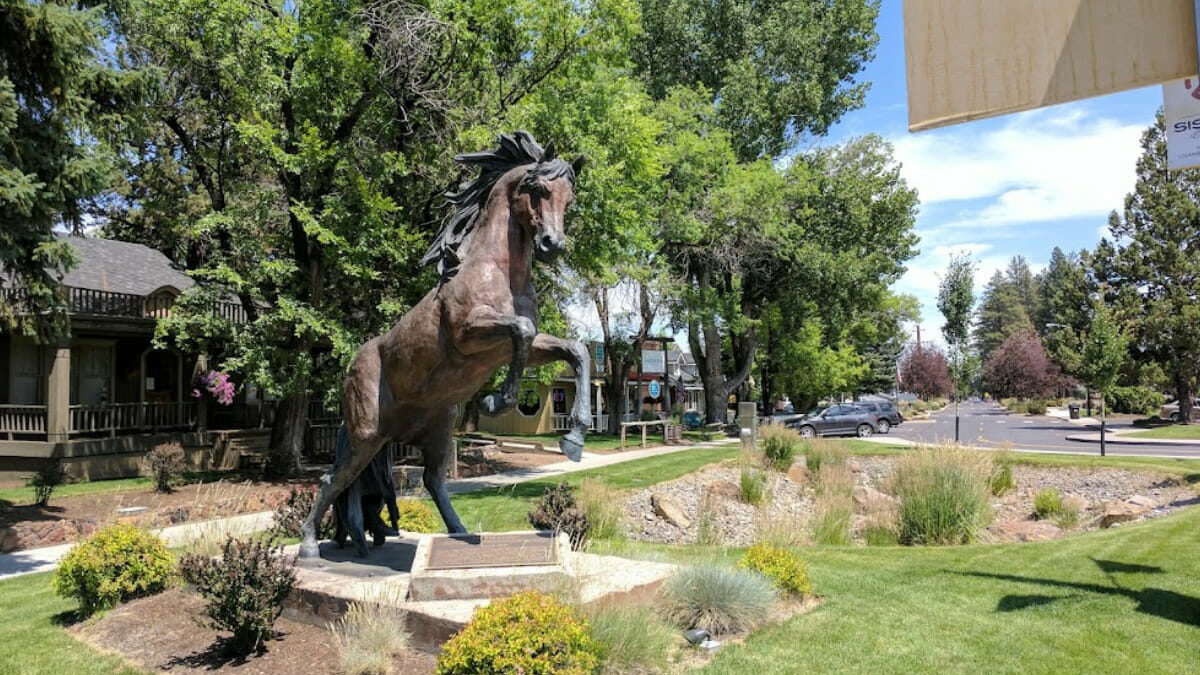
471,198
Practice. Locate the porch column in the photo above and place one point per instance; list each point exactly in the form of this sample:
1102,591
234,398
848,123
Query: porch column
58,394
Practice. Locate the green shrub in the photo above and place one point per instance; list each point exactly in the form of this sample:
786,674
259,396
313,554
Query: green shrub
369,636
529,632
1133,400
245,589
1035,407
1047,502
49,477
819,452
165,465
603,506
117,563
629,638
1001,481
753,484
785,570
945,497
416,516
778,445
716,598
558,510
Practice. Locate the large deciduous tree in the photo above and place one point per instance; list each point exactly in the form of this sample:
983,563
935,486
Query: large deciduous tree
1019,367
956,298
1157,262
925,372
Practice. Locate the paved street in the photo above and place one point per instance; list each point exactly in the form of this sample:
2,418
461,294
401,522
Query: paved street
989,425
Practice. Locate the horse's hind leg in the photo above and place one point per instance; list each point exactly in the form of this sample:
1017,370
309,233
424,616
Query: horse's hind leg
438,451
335,483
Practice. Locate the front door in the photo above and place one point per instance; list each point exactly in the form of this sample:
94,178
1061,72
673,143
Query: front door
91,374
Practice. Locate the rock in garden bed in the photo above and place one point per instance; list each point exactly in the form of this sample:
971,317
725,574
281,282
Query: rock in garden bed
1103,497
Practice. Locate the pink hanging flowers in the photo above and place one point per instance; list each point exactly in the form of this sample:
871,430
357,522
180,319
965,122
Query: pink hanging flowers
216,384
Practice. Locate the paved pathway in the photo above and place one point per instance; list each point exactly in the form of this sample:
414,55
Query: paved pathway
44,559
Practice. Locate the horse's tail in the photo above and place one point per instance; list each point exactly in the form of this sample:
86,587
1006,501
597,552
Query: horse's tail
341,451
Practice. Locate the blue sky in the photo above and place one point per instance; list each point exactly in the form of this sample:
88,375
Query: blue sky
1016,184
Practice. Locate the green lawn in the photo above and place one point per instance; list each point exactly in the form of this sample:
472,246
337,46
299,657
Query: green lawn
1182,431
24,495
1117,601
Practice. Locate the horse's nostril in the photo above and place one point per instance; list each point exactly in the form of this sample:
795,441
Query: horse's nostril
545,241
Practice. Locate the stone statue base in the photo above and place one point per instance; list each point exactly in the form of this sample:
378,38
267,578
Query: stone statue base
440,580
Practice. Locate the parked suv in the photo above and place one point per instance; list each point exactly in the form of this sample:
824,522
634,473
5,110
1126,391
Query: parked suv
843,419
885,411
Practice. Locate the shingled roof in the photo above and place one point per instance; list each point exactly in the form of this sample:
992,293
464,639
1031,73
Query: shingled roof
122,267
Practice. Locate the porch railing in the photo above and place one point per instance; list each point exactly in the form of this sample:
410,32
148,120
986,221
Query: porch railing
90,419
21,420
563,422
89,301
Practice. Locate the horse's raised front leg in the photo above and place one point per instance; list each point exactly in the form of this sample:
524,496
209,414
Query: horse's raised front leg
547,349
438,451
485,328
334,483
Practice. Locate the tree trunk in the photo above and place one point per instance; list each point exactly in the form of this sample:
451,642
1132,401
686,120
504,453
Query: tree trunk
470,417
615,393
287,436
1184,391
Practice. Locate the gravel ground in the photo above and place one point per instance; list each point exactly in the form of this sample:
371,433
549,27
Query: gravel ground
791,500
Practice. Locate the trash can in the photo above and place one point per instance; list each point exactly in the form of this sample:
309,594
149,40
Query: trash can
1073,411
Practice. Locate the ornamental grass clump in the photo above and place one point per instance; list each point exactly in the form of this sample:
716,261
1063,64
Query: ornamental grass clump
753,484
945,495
530,632
369,637
245,590
718,599
603,506
630,639
1047,502
822,452
117,563
778,445
833,508
784,569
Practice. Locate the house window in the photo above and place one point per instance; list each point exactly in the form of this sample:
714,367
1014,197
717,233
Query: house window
558,396
529,402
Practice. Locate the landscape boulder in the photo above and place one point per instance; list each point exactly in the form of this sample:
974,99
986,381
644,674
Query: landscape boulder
669,509
868,499
723,488
1127,510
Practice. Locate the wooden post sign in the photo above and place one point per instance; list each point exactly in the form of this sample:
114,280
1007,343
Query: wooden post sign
970,59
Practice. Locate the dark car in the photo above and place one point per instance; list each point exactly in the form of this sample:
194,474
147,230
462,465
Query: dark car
885,411
842,419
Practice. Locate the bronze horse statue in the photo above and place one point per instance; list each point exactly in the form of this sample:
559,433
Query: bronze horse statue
406,385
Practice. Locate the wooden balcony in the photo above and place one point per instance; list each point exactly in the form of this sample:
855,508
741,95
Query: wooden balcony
95,303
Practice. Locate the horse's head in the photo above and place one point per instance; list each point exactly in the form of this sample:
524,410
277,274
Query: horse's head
541,200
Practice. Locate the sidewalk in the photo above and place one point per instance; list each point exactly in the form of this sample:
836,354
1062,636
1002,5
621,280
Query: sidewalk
44,559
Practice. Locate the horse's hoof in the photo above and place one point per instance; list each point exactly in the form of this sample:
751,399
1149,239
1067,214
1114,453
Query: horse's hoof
572,446
310,549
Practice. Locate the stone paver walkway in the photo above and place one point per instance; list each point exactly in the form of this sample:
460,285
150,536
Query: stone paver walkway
44,559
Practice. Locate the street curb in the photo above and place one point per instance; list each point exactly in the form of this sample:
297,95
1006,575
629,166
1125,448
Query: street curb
1121,439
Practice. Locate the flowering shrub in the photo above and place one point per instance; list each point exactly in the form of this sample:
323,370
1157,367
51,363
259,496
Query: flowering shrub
786,571
120,562
530,632
215,384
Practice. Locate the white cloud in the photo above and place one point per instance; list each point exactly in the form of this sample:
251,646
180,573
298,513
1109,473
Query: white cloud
1053,164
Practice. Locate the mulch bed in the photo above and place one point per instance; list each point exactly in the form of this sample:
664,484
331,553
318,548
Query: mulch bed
163,633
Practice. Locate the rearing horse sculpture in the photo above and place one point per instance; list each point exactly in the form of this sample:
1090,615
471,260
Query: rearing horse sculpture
406,385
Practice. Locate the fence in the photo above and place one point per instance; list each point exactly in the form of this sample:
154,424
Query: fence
111,418
20,420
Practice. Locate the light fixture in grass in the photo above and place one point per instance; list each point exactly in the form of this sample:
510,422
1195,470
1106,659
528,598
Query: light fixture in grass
719,599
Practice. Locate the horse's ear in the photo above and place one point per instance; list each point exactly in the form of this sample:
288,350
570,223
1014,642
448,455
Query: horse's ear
577,165
548,153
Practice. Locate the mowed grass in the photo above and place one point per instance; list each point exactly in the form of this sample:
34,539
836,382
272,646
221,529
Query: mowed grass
1176,431
32,642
